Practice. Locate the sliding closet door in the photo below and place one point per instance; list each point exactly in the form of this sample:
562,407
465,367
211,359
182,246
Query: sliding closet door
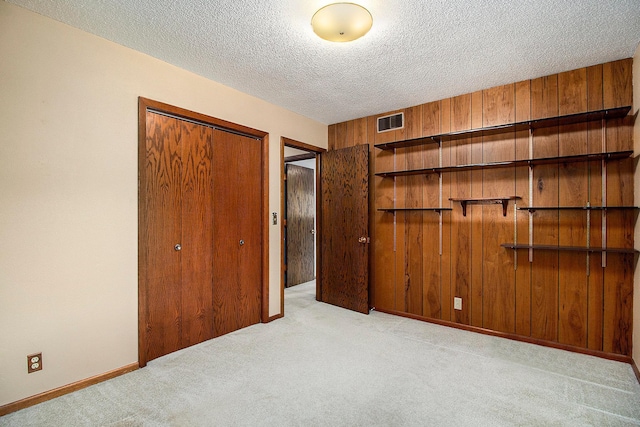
237,231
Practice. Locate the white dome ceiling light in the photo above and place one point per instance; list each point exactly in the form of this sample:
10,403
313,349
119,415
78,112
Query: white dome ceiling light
342,22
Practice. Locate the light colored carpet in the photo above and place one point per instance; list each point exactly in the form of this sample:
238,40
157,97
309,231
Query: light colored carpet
325,366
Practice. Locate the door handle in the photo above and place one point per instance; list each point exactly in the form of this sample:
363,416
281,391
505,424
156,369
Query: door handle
241,242
364,240
177,247
313,231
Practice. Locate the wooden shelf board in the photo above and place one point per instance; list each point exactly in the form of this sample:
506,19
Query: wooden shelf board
569,248
427,140
414,209
504,201
590,116
614,155
576,208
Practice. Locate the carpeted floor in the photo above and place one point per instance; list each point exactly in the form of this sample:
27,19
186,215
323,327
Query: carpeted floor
325,366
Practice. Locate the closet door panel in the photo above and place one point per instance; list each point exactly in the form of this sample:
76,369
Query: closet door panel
226,199
250,230
163,199
197,234
237,233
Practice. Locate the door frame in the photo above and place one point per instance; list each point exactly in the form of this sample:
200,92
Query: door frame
288,142
145,105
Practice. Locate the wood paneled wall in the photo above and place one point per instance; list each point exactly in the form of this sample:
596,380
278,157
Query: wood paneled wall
552,298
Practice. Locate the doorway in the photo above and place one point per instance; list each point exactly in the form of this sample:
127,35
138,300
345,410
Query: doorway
342,227
300,163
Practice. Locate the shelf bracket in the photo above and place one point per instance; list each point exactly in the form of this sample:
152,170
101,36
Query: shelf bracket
505,204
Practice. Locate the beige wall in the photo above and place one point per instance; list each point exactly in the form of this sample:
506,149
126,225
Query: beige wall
636,147
68,193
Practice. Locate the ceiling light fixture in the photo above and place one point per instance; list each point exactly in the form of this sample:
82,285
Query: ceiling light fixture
342,22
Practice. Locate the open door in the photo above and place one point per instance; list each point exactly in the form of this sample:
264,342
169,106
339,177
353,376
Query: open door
344,228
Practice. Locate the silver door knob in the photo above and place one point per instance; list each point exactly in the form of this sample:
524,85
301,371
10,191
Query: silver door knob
363,240
177,247
241,242
313,231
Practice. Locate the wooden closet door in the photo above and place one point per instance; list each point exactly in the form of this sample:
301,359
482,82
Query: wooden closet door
237,231
162,230
178,211
197,234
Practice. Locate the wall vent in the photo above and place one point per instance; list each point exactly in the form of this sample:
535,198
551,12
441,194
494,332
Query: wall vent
394,121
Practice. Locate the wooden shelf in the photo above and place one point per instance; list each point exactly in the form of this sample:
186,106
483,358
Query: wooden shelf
414,209
576,208
606,114
504,201
569,248
614,155
409,142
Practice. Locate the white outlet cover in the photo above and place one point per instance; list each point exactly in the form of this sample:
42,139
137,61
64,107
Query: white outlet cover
457,303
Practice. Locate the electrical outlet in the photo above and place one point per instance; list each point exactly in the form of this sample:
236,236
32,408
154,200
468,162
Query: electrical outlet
34,362
457,303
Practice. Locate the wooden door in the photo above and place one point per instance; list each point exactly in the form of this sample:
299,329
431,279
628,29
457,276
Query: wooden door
197,234
175,236
237,231
344,235
300,225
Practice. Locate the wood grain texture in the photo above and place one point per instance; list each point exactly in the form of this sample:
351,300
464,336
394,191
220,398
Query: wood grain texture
331,136
617,83
177,206
552,299
545,268
523,272
445,283
345,207
163,230
197,234
618,274
300,214
250,222
595,291
499,271
413,230
237,268
431,258
384,243
402,279
475,214
461,227
340,138
573,190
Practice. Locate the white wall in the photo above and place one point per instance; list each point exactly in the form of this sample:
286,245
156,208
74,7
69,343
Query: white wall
636,146
68,193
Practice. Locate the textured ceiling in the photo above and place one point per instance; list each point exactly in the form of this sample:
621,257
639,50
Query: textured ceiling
417,50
